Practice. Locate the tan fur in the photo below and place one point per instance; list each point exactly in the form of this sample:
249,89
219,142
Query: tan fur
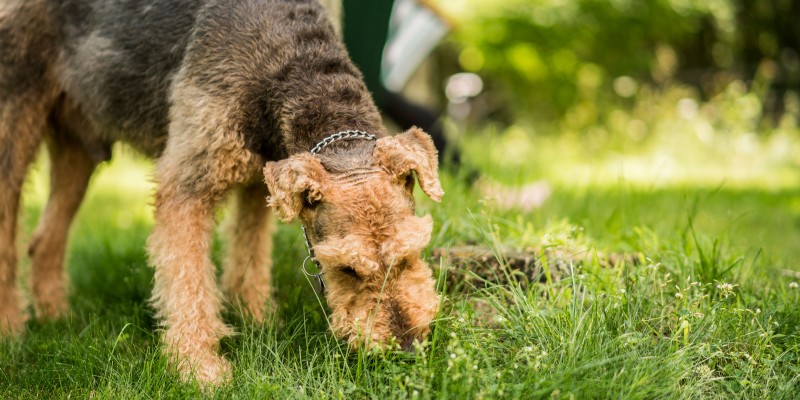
26,45
401,282
412,151
185,292
203,135
20,124
71,168
247,275
294,181
363,219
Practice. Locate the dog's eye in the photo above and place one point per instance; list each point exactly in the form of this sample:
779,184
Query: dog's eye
308,202
409,184
349,271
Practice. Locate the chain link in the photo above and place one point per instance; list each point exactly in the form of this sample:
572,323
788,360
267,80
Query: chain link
351,134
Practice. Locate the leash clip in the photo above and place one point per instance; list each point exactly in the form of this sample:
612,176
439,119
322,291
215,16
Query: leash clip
319,284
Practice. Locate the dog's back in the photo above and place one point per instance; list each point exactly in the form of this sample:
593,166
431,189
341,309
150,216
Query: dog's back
118,60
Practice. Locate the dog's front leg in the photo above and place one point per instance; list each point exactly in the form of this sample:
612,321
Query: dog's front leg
204,158
185,293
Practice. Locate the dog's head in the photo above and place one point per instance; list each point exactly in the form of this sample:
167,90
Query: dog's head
365,235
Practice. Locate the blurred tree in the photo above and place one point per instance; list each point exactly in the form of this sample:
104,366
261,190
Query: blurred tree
551,56
769,44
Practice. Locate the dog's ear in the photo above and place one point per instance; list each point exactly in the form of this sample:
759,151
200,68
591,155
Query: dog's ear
411,151
294,182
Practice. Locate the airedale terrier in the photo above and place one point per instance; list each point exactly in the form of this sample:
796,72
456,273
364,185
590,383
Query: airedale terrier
218,92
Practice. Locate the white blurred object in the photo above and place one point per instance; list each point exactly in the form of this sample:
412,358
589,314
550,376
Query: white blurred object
414,30
524,198
462,86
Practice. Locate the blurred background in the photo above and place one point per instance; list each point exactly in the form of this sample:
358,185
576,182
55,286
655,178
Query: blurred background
664,92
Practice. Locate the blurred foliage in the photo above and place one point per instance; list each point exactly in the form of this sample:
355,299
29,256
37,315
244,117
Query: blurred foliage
555,58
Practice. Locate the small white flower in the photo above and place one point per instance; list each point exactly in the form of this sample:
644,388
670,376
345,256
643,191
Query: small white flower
452,355
679,295
726,289
725,286
704,371
793,285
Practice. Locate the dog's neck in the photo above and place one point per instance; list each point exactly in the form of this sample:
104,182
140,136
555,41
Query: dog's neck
347,160
347,155
304,89
320,92
306,124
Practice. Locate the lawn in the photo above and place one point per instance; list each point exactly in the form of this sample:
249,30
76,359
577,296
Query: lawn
705,306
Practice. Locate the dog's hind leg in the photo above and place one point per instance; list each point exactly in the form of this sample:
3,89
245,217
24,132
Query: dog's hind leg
71,168
27,96
23,120
248,265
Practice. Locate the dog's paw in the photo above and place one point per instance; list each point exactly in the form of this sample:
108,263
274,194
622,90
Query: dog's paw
208,370
12,320
258,308
11,329
52,307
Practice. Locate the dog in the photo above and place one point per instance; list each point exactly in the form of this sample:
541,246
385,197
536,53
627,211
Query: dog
228,96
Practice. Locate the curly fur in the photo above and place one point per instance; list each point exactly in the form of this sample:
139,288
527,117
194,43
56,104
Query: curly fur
226,95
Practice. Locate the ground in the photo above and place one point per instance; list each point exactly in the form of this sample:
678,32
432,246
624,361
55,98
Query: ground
709,311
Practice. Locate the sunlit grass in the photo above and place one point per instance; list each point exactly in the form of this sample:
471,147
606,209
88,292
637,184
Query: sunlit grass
708,314
669,159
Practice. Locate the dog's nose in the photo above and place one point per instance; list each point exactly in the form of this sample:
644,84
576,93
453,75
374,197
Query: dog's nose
407,343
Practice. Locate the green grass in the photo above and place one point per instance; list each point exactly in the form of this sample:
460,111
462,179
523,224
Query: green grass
669,328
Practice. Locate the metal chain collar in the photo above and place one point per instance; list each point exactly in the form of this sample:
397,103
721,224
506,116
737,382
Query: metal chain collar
350,134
